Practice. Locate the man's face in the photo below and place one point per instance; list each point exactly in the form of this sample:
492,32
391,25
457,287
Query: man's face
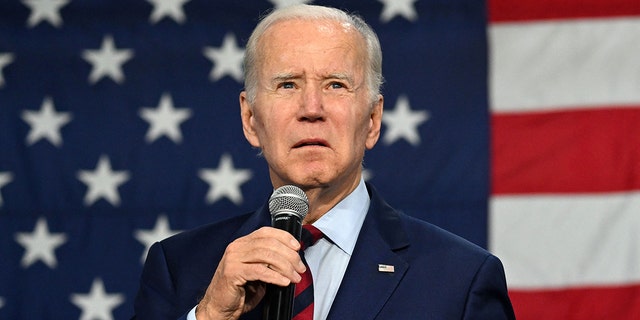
313,116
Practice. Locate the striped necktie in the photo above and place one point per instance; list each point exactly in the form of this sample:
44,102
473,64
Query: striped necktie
303,301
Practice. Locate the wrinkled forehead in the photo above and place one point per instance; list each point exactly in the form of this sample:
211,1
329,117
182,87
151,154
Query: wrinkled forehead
296,37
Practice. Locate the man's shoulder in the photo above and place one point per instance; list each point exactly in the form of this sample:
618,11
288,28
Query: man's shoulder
213,233
424,234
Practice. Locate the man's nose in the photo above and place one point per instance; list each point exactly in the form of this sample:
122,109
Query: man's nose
311,108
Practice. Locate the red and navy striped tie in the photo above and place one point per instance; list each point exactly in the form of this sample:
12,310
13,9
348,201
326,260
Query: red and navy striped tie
303,301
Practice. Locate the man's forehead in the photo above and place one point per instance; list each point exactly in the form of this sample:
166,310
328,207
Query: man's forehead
286,32
308,48
320,24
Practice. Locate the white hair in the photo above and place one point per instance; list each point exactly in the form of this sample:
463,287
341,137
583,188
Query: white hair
373,68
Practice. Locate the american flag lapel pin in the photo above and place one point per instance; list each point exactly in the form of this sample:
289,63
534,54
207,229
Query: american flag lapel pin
386,268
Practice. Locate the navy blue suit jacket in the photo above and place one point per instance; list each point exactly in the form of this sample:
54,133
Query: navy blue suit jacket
437,275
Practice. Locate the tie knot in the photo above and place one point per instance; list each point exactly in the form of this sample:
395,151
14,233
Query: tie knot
310,235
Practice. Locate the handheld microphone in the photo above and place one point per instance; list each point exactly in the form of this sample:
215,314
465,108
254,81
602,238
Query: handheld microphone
288,206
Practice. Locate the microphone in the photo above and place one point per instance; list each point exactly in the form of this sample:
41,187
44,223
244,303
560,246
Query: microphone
288,206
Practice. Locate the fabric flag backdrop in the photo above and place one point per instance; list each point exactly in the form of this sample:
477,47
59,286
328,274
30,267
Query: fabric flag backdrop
565,114
514,126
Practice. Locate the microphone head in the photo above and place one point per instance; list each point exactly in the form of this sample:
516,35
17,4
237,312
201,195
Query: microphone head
289,199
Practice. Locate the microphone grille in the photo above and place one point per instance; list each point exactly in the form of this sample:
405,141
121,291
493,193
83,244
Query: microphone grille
289,199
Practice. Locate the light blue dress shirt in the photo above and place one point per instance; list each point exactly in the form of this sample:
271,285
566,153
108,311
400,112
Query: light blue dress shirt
328,259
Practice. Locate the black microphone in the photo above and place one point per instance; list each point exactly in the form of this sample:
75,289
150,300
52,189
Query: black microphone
288,206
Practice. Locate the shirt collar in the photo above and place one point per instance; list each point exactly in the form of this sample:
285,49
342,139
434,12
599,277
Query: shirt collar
342,223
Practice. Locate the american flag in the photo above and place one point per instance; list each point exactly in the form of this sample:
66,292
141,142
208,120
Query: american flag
515,124
565,123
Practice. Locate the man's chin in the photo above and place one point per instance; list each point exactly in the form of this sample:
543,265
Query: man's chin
309,180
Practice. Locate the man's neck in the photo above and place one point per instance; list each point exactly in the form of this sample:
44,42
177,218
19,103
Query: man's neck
322,199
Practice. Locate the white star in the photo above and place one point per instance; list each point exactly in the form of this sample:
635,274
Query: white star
285,3
97,304
159,232
40,244
225,181
107,61
394,8
367,174
403,122
45,123
226,59
170,8
103,182
1,302
48,10
5,60
164,120
5,178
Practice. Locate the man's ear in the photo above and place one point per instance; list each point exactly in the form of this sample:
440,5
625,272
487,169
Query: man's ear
375,123
248,120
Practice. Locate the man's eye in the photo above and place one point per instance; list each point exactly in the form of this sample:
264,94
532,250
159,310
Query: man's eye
337,85
287,85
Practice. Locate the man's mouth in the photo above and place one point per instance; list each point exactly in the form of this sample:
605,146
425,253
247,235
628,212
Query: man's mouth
311,143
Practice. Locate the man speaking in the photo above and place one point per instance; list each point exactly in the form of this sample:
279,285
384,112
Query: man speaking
312,106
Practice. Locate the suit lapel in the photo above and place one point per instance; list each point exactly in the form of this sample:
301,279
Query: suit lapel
365,288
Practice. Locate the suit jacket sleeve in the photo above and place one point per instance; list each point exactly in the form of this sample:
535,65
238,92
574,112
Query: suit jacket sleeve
156,298
488,297
178,270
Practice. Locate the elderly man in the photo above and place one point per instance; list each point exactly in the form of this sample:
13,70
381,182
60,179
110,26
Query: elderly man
312,105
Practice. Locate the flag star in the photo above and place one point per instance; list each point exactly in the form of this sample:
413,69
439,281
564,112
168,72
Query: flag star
5,60
225,181
48,10
40,244
164,120
1,302
367,174
5,178
394,8
285,3
107,61
97,304
170,8
227,59
159,232
103,182
45,123
403,122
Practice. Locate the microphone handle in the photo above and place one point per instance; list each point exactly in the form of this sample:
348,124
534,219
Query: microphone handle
278,301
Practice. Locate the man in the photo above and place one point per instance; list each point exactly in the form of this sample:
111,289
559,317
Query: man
312,106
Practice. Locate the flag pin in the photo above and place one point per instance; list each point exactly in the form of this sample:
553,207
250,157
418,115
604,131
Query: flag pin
385,268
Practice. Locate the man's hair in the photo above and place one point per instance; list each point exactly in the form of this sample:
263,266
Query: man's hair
373,67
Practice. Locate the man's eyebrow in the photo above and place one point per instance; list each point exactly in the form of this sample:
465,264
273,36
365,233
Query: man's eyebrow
340,76
278,77
288,76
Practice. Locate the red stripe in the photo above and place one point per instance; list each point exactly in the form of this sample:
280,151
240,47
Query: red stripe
579,151
523,10
304,283
583,303
306,314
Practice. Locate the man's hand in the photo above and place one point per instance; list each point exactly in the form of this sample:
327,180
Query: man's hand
267,255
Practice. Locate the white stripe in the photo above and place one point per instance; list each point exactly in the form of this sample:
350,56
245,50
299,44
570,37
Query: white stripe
564,64
564,241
